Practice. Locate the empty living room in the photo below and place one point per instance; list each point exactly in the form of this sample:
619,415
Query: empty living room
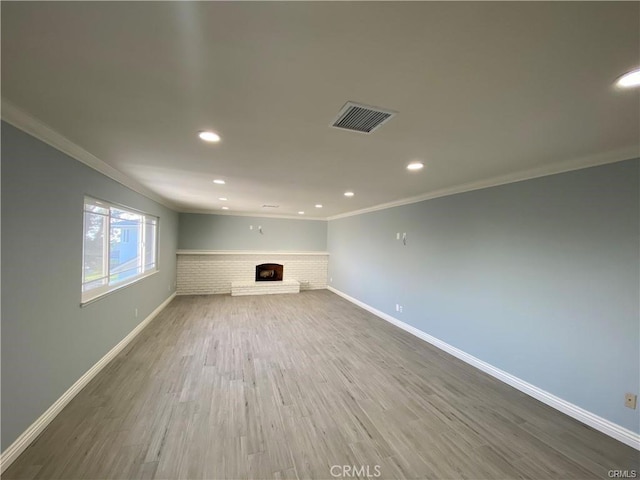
320,240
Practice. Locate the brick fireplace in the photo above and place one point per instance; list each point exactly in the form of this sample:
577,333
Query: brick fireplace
202,272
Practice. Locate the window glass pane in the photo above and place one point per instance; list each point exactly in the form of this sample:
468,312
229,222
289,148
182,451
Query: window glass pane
125,215
96,206
95,284
95,265
124,240
150,245
119,246
121,273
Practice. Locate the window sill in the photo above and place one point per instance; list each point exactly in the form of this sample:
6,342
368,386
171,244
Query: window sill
117,288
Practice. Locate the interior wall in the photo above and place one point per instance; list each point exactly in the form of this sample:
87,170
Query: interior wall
539,278
48,340
232,232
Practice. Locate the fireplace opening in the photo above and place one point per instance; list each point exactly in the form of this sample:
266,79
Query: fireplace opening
269,272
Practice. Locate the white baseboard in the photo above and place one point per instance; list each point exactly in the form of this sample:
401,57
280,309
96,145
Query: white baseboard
30,434
603,425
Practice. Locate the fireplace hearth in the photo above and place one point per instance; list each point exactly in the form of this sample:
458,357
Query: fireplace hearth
269,272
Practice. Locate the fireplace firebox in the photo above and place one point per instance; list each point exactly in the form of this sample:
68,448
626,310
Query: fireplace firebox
269,272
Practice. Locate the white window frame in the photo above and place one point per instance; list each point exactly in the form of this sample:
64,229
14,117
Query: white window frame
92,294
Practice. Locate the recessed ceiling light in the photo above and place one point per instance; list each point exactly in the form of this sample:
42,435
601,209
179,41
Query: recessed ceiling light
349,194
225,208
318,205
209,136
413,166
629,79
300,212
224,199
219,182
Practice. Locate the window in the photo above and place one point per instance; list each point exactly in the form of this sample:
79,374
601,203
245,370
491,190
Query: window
120,246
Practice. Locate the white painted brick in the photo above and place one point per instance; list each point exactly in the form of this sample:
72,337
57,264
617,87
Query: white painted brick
207,274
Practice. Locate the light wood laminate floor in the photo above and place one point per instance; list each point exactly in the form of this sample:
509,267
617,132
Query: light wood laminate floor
287,386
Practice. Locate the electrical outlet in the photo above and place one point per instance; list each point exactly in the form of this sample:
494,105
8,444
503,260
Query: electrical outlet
630,400
135,312
400,308
398,236
250,227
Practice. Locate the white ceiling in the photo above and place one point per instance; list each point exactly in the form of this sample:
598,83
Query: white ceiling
486,93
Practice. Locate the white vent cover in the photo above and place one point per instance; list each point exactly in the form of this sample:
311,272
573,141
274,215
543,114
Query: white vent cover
270,206
361,118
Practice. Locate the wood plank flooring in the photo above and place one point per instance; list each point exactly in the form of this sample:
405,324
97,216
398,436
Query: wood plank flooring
289,386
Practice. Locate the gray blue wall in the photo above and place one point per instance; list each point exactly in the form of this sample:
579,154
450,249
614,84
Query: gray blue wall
231,232
539,278
48,341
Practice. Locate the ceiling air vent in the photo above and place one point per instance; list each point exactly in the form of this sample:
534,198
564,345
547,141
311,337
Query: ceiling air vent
361,118
270,206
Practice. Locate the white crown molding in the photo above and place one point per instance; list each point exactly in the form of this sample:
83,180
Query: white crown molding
246,252
603,425
30,434
38,129
620,155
